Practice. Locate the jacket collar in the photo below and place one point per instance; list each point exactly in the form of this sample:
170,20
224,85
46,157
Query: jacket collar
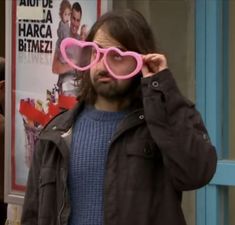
64,121
133,119
59,130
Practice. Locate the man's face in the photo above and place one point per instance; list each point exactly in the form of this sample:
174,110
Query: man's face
75,22
104,84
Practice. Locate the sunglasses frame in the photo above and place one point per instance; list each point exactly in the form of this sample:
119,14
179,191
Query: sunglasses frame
71,41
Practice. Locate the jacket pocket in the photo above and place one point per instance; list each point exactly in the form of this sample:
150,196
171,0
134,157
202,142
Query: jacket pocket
47,193
143,162
142,149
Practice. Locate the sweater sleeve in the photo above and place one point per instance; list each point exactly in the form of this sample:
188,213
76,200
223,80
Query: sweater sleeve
178,130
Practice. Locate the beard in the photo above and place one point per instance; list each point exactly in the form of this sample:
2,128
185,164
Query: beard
112,89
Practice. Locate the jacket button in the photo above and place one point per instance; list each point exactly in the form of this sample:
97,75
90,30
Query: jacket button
54,128
141,117
205,137
147,152
155,84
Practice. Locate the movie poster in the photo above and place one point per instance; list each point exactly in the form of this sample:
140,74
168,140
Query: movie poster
38,26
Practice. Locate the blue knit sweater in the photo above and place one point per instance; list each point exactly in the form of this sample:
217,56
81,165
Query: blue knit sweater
90,142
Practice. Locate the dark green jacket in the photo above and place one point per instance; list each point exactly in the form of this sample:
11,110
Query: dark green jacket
156,153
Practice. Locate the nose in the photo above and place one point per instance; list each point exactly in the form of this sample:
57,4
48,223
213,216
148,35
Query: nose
101,57
77,23
101,62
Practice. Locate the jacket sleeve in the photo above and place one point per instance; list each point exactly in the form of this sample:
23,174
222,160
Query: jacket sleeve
178,130
30,207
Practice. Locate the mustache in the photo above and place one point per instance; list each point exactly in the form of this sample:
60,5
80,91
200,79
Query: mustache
101,74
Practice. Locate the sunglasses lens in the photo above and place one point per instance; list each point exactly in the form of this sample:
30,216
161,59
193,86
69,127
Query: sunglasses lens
81,57
121,65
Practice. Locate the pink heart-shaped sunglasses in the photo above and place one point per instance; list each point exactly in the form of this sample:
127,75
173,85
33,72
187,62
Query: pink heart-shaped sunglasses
82,55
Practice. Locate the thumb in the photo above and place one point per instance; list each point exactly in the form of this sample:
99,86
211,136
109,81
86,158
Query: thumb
145,70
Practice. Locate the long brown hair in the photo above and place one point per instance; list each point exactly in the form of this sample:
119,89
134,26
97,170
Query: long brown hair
131,30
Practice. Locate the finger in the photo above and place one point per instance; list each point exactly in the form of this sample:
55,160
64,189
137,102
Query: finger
156,62
145,71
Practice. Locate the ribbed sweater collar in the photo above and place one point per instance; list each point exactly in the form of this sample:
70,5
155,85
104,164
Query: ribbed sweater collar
98,115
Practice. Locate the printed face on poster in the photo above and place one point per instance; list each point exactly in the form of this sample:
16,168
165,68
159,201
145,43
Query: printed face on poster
36,89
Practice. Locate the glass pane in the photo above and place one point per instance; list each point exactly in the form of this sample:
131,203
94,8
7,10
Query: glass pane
173,25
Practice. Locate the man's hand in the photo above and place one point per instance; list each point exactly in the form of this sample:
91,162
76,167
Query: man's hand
153,63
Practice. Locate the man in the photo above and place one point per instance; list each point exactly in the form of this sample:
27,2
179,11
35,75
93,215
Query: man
67,76
3,206
128,150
